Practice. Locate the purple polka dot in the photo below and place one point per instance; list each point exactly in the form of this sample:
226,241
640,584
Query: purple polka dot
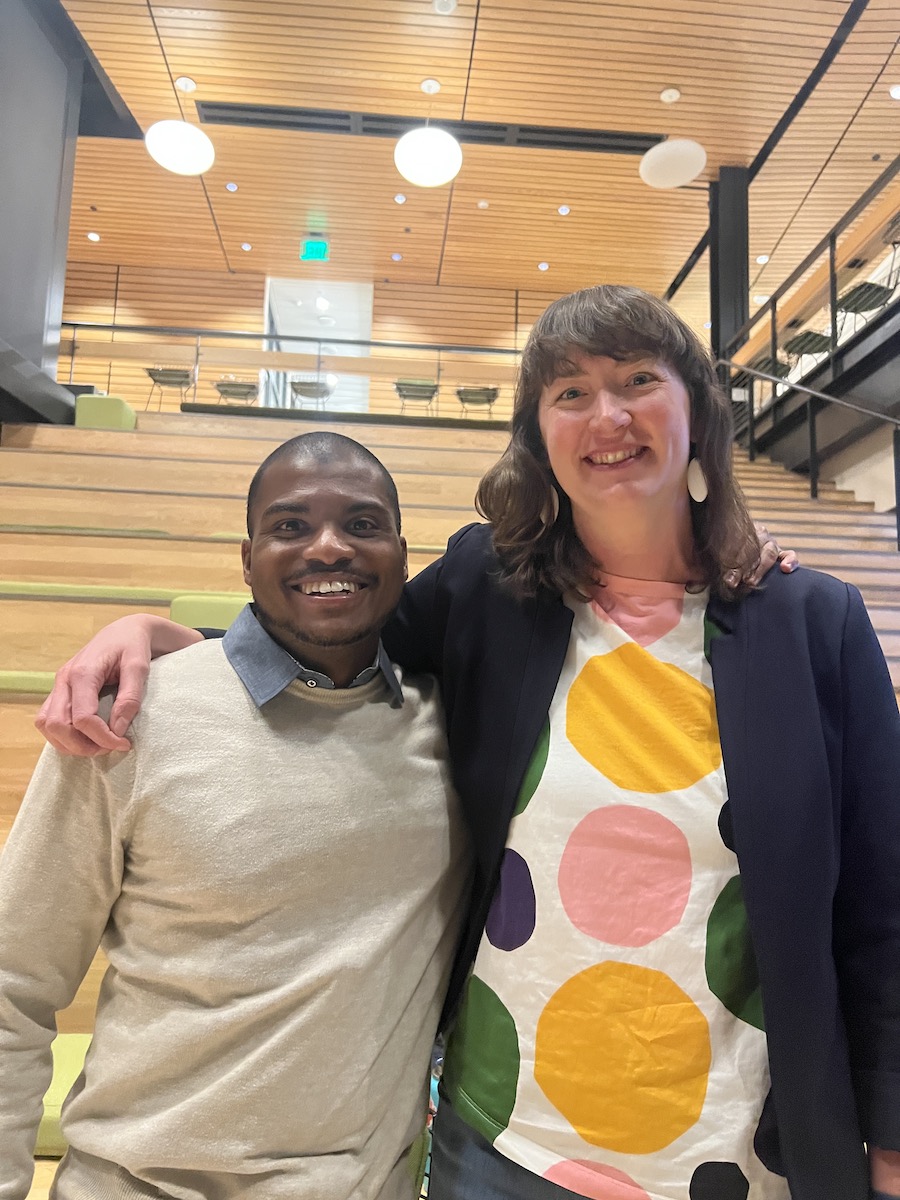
510,922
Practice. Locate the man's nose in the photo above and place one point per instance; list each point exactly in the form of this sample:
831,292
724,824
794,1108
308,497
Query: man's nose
608,411
329,545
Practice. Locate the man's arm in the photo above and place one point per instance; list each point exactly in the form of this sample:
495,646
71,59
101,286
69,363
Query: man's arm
60,874
120,654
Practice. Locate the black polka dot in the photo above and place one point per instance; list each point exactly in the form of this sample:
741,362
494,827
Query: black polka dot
726,829
719,1181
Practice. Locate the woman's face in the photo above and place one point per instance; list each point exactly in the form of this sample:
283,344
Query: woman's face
618,433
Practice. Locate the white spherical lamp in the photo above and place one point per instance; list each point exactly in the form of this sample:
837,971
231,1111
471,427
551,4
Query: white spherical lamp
428,156
672,163
179,147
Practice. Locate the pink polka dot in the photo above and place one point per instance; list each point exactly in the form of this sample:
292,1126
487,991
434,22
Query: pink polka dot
625,875
595,1181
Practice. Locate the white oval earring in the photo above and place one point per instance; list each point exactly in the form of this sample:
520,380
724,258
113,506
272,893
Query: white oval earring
551,508
698,489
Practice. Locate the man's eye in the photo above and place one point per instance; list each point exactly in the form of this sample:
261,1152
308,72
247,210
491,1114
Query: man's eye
288,527
363,525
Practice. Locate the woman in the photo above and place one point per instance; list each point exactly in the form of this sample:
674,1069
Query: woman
635,993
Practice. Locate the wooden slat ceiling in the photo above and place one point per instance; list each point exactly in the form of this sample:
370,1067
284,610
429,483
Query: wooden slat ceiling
577,63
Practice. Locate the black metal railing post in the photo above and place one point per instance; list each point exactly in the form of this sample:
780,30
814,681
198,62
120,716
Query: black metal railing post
813,449
773,347
833,289
897,480
751,420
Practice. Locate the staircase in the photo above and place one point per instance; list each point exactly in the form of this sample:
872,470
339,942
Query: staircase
834,533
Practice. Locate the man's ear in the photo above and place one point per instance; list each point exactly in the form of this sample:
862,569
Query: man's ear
245,559
405,559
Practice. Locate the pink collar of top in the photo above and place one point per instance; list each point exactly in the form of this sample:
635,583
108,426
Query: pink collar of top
646,609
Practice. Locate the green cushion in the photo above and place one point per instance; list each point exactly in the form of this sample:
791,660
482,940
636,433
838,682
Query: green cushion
29,683
206,609
69,1050
103,412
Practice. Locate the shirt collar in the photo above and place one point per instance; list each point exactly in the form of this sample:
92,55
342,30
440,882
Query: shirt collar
266,669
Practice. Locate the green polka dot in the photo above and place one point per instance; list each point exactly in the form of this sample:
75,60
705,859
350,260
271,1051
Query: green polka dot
711,631
730,960
535,770
482,1061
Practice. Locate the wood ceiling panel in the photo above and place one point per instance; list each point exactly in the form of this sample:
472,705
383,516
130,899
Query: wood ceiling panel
578,63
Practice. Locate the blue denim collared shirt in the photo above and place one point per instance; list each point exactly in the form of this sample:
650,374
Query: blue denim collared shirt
265,668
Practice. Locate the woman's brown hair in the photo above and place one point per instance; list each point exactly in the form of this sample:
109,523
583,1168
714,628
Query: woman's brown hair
519,495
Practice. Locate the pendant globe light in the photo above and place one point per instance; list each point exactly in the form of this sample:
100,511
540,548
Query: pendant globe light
428,156
179,147
672,163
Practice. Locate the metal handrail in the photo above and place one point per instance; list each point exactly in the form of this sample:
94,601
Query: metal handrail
814,401
828,242
799,387
243,335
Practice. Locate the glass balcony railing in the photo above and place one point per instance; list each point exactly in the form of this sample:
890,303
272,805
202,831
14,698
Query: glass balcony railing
166,368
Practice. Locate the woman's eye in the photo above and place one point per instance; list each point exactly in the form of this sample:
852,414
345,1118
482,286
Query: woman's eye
641,378
571,393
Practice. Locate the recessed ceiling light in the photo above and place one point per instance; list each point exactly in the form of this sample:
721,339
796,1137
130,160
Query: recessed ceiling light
564,210
332,380
895,91
443,7
760,299
669,95
184,83
93,237
430,86
484,204
762,259
543,266
231,187
399,198
322,304
707,324
246,246
397,257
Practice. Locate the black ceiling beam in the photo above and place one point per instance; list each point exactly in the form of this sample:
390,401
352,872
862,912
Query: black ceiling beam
829,54
484,133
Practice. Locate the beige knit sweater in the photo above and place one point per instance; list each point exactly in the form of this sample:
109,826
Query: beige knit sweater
278,891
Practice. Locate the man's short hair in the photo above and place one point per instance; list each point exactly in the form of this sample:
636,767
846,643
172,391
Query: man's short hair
324,447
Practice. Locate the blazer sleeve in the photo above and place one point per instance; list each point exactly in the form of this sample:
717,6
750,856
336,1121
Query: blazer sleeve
414,636
867,902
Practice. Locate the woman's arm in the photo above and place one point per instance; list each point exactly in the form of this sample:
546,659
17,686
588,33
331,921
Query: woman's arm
120,654
867,902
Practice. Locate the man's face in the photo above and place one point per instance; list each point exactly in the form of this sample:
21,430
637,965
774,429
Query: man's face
325,562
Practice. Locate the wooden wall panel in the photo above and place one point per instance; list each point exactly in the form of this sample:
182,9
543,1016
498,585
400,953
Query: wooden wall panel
128,295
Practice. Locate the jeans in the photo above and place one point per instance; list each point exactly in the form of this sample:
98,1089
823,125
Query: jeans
465,1166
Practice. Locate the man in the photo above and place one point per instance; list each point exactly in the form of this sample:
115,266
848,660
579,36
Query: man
278,902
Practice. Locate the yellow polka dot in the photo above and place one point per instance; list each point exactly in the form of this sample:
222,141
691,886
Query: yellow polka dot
646,725
623,1053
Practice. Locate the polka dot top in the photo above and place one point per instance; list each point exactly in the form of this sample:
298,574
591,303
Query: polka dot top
611,1035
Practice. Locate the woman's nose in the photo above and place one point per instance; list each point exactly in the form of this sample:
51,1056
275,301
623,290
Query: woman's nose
609,412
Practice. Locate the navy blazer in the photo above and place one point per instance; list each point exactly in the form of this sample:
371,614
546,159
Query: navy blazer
810,736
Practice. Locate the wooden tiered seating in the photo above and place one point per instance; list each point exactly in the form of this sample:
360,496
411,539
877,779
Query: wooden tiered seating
95,524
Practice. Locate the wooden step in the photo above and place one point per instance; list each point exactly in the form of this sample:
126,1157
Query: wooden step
193,477
166,513
183,564
448,459
209,424
41,634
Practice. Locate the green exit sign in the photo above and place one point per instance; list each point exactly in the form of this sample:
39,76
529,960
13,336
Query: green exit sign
314,250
